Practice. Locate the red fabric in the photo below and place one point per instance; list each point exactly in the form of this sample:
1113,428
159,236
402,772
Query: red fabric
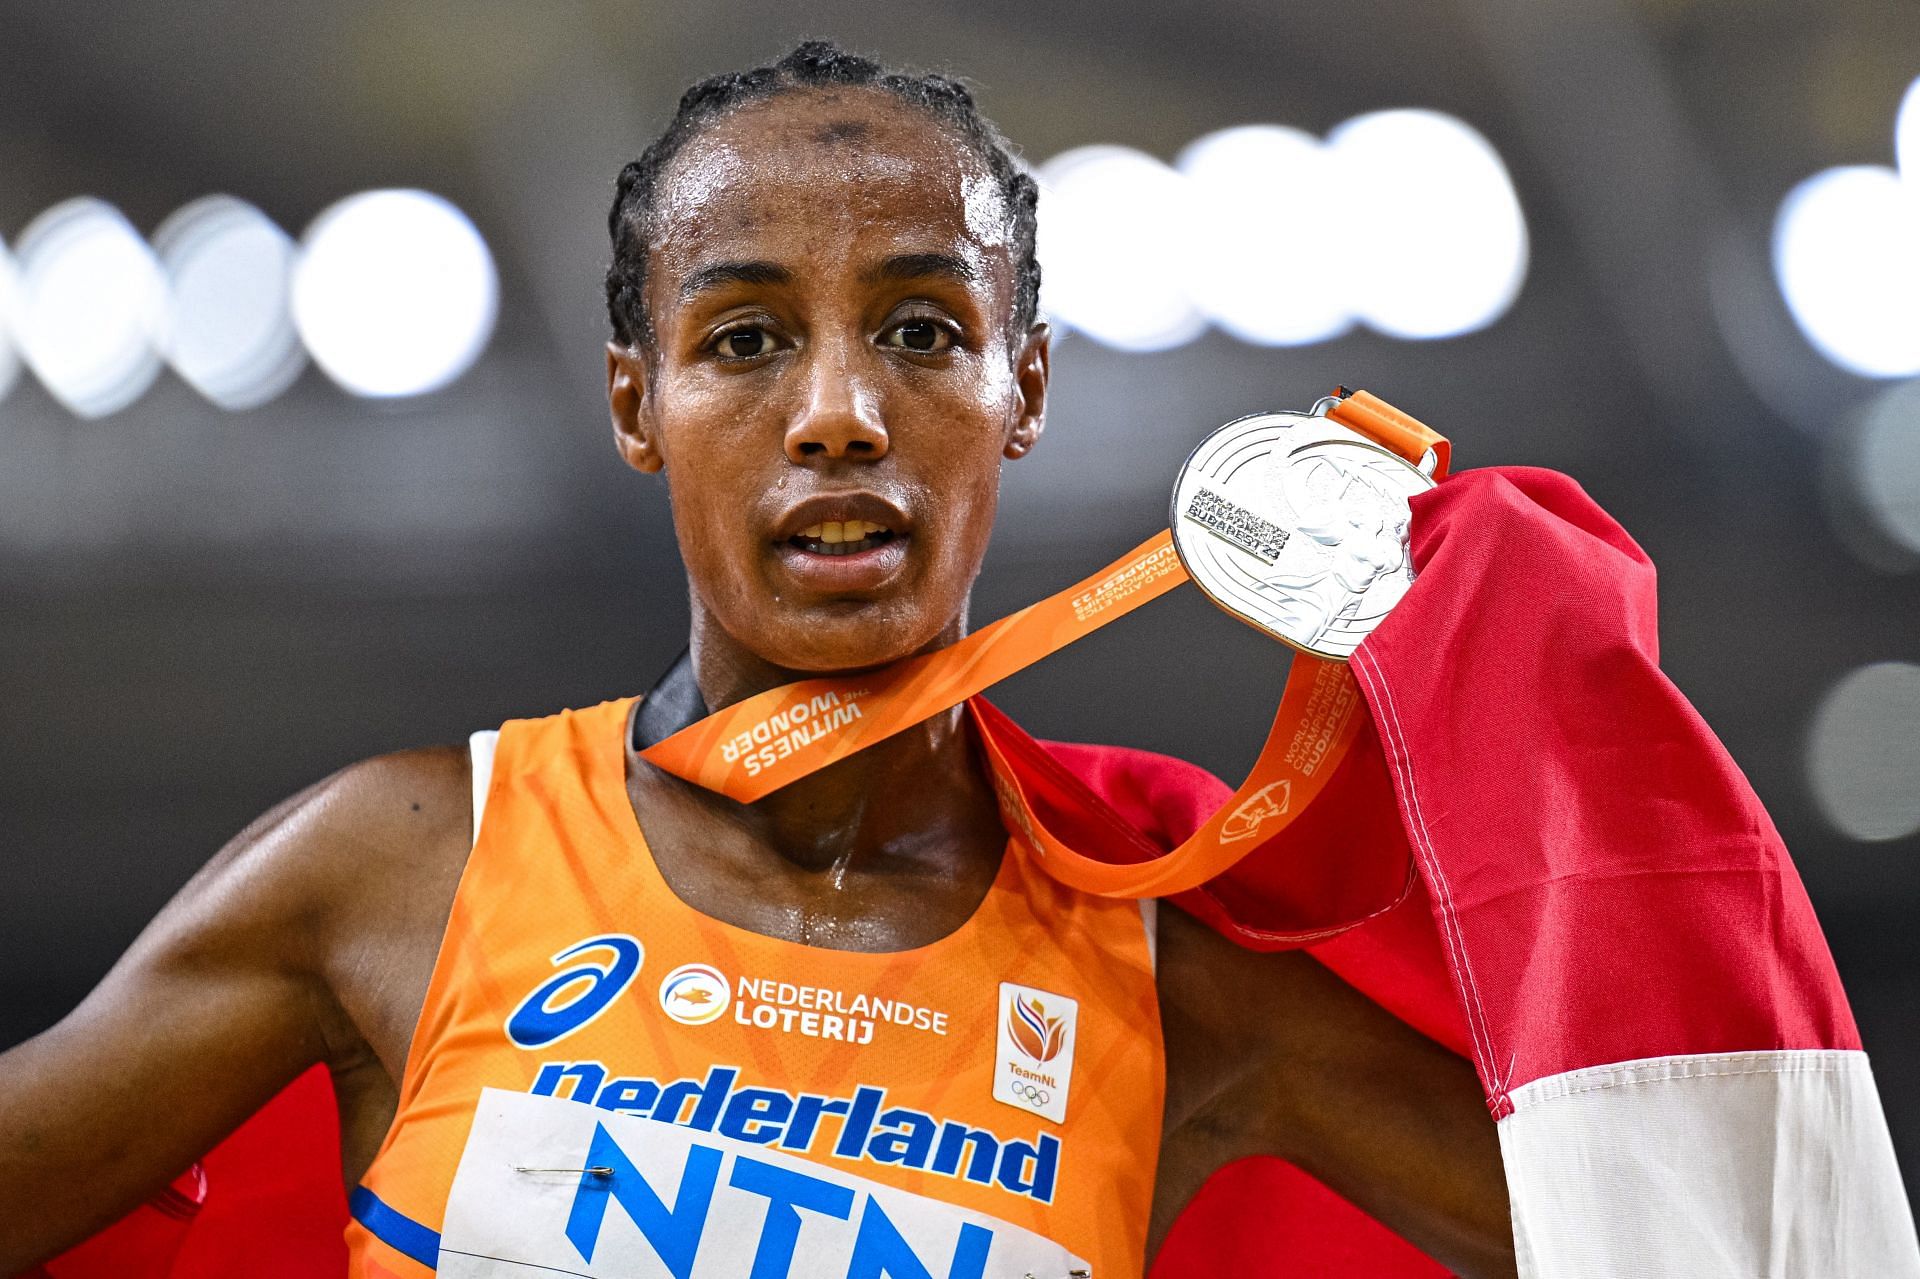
1598,881
1394,958
1262,1217
144,1242
276,1206
269,1203
1605,883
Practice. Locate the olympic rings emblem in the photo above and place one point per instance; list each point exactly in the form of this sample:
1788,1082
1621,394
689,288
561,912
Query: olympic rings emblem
1030,1093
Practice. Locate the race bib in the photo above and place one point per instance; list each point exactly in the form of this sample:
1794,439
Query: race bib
548,1186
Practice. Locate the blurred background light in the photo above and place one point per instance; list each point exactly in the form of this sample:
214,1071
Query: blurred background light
1270,243
91,312
1846,249
1887,470
1439,241
1863,755
1873,482
1113,223
229,270
9,293
394,292
1250,231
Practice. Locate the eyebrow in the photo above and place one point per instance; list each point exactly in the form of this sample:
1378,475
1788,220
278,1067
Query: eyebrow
710,277
918,266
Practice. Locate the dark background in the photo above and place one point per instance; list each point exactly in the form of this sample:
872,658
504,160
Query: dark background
202,612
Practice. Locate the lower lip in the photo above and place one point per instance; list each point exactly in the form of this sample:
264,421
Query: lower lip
861,571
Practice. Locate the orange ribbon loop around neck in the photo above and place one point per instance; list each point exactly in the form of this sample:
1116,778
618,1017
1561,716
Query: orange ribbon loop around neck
758,745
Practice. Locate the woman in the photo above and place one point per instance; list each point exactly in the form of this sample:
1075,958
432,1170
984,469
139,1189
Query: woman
823,299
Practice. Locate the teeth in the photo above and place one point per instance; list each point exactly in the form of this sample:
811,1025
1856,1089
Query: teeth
833,532
841,537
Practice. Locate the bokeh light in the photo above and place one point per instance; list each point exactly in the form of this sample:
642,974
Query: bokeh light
91,312
1112,225
1437,241
394,293
9,299
1872,484
1250,229
1266,267
1887,467
229,270
1846,250
1863,755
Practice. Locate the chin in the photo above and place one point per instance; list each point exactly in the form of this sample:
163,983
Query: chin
845,638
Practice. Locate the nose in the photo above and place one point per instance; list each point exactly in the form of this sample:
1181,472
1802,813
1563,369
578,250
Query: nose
840,417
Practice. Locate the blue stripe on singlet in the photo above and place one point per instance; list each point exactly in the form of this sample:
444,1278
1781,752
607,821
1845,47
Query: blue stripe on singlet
395,1229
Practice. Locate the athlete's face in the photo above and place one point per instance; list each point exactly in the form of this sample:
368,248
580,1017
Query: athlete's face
833,386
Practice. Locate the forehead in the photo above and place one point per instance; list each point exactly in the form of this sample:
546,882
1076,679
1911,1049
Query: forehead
827,174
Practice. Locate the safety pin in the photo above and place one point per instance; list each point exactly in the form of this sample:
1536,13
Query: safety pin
598,1170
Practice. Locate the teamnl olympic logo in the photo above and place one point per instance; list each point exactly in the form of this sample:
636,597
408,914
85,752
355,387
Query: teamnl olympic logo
576,995
695,994
1033,1064
1035,1034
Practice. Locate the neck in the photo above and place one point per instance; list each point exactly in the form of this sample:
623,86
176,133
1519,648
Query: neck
918,801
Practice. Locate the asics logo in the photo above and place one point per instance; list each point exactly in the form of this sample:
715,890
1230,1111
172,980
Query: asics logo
574,996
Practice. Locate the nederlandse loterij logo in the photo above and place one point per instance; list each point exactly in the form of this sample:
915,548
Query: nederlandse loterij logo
1256,810
695,994
1034,1033
1033,1061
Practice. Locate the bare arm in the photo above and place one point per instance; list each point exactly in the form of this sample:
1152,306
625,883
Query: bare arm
1273,1054
229,993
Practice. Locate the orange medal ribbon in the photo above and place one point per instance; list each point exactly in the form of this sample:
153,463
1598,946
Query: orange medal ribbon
758,745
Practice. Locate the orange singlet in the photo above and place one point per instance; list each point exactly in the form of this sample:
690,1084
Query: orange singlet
606,1082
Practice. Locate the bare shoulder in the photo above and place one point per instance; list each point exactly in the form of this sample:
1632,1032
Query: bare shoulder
308,938
335,855
373,827
370,860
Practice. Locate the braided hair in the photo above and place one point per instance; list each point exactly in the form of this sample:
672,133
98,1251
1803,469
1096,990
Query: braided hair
813,64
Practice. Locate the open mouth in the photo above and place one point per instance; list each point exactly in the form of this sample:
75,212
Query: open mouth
841,537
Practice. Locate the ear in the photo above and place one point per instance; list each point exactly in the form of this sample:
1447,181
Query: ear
1031,369
627,404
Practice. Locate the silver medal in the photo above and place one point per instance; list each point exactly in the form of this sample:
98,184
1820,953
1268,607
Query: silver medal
1297,525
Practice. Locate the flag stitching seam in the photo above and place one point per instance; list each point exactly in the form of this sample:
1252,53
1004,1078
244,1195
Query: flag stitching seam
1403,764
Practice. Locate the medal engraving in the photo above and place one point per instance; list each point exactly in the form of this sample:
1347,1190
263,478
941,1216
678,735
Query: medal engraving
1299,526
1237,524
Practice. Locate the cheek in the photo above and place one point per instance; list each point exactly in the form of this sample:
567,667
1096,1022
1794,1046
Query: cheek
969,484
709,488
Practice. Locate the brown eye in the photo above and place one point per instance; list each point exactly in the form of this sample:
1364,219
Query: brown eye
919,335
744,344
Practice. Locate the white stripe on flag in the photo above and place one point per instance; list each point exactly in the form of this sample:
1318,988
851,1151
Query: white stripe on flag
1750,1165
